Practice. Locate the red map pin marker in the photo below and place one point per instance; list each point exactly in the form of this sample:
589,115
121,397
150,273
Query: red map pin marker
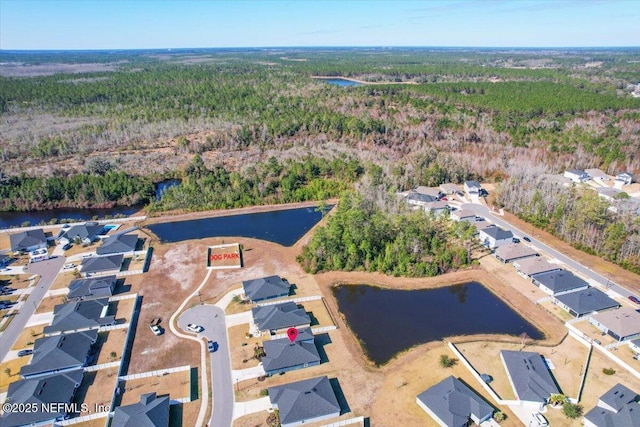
292,333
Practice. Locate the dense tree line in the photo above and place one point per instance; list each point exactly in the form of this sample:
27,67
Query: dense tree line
205,188
578,216
361,236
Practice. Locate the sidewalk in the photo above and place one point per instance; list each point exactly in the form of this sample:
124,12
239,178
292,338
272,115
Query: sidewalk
240,409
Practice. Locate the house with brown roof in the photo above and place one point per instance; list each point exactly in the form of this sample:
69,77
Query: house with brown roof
622,324
527,267
513,252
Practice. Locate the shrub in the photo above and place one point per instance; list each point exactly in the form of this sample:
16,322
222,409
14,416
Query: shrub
446,361
608,371
571,410
499,416
264,392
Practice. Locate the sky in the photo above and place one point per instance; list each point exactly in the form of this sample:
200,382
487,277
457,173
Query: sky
147,24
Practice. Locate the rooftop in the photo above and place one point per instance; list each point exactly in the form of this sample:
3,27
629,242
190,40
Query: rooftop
151,411
463,213
560,280
618,407
87,314
83,231
118,243
26,239
497,233
534,265
514,251
623,322
101,263
279,316
265,288
283,354
304,400
99,287
529,375
618,396
587,301
472,184
60,352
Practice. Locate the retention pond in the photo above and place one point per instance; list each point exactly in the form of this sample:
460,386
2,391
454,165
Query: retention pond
389,321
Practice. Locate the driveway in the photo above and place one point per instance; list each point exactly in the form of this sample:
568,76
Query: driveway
486,213
47,270
212,319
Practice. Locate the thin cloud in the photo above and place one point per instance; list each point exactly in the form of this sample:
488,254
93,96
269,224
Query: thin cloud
319,32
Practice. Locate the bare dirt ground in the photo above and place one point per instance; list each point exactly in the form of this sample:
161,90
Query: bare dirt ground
96,389
176,384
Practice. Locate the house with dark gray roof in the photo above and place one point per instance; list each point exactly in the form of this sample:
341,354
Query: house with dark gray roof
618,407
529,376
277,317
420,196
60,353
282,355
98,287
304,401
492,237
109,264
118,244
472,187
527,267
27,241
41,393
559,282
80,316
86,233
585,302
150,411
608,193
265,288
452,403
513,252
622,324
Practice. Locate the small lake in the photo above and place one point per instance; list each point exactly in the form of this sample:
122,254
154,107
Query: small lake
163,186
9,219
389,321
284,226
341,82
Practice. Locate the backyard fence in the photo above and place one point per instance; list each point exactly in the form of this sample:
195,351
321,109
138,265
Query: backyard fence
296,300
357,420
82,419
46,226
158,373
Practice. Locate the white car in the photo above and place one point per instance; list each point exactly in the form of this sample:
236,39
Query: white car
69,266
195,328
156,329
540,419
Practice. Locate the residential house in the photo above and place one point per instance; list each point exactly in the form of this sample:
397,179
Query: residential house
304,402
279,317
265,288
529,377
27,241
118,244
492,237
513,252
622,324
420,196
609,193
625,178
80,316
150,411
597,175
449,188
282,355
85,233
451,403
559,282
618,407
437,208
585,302
52,391
527,267
5,260
463,215
481,225
99,287
60,353
634,345
577,175
472,188
101,265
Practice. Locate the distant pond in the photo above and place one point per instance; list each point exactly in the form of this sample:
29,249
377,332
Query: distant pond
341,82
283,226
16,219
389,321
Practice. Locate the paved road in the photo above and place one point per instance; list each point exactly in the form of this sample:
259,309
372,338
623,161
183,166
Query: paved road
483,211
215,329
47,271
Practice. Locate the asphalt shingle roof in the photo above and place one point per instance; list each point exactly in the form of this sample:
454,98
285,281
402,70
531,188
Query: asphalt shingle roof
627,410
151,411
283,354
586,301
99,287
497,233
453,402
265,288
118,244
279,316
57,388
60,352
419,197
534,265
26,239
514,251
83,231
623,322
529,375
101,263
560,280
304,400
79,315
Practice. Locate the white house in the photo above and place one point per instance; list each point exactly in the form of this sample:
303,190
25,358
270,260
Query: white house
625,178
472,187
493,237
597,175
576,175
608,193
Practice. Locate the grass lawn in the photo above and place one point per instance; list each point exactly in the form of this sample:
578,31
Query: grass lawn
123,309
96,389
237,337
110,341
47,304
318,312
14,366
28,337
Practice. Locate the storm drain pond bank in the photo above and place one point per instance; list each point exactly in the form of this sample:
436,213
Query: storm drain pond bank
389,321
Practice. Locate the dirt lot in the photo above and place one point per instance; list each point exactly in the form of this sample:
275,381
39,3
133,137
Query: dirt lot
47,304
28,336
176,384
96,389
14,366
110,341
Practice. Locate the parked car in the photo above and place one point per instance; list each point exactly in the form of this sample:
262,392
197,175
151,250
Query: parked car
156,329
540,419
67,247
69,266
515,240
526,239
634,299
195,328
25,352
212,346
87,256
6,291
597,342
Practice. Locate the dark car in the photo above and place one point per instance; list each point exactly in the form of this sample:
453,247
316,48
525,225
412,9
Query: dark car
212,346
67,247
25,352
515,240
526,239
634,299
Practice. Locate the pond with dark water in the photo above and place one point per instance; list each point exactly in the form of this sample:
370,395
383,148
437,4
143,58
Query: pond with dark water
389,321
17,219
282,226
